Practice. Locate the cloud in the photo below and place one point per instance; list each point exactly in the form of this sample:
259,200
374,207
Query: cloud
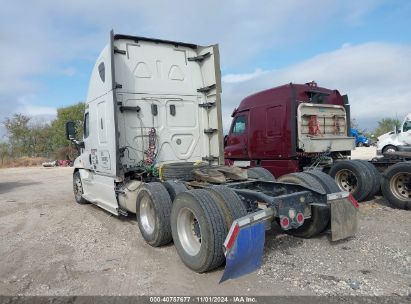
69,71
233,78
39,38
32,110
376,77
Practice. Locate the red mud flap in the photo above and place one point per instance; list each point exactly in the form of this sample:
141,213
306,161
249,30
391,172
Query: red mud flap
344,210
244,244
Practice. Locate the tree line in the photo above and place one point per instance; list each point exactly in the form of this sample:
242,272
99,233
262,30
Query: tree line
27,137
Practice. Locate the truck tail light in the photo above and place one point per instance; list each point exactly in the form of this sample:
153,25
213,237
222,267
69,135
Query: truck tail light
300,218
284,222
353,201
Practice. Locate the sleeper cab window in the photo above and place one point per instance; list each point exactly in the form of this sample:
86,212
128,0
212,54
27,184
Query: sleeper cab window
102,71
239,125
86,125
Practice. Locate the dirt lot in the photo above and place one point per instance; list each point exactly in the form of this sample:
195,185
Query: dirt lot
52,246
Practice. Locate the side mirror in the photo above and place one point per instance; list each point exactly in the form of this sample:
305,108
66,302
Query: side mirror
70,130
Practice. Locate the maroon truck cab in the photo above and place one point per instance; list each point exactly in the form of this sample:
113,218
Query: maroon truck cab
265,127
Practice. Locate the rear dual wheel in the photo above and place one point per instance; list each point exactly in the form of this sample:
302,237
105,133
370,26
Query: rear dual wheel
396,185
200,220
199,229
153,209
358,177
197,220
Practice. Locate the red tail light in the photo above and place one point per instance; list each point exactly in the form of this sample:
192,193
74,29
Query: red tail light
353,201
300,218
284,222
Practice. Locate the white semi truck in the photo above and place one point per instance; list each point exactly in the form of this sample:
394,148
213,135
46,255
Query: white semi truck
153,146
397,140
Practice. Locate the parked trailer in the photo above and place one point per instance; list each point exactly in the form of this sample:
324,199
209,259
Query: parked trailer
153,147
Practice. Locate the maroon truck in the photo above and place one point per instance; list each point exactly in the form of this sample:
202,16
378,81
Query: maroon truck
301,127
287,128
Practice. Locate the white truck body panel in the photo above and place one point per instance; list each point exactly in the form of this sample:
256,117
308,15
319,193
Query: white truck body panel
401,139
100,149
139,84
99,189
161,75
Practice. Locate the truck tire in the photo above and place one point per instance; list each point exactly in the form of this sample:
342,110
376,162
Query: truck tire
352,177
260,173
302,178
376,177
198,229
232,206
396,185
325,180
153,209
174,188
180,171
78,189
389,148
320,216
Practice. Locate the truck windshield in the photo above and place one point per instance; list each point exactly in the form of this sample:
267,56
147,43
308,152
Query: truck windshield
407,126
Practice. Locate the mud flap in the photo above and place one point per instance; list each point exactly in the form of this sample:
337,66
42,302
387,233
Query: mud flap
244,245
344,210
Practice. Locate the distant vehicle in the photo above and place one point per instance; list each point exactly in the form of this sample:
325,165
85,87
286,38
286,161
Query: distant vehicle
360,139
397,140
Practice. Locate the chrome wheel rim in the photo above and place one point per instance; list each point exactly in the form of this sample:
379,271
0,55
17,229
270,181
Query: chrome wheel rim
189,232
400,186
390,150
77,187
147,214
346,180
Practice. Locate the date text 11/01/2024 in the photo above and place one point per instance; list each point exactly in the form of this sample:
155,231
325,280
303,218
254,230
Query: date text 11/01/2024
203,299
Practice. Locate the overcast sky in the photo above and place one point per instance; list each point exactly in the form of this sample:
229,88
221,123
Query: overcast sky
362,48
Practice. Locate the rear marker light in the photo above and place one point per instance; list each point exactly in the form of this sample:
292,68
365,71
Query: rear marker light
300,218
353,201
284,221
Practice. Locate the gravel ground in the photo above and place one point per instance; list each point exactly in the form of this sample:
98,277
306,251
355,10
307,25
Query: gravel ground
377,261
49,245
